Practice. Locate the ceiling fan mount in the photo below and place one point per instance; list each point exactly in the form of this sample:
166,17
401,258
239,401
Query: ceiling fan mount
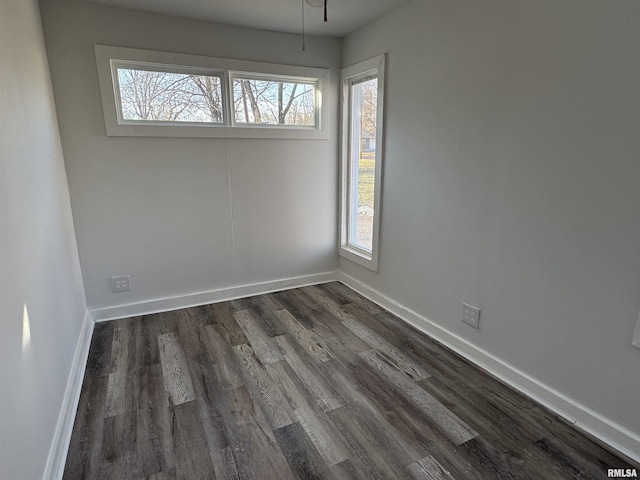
318,3
312,3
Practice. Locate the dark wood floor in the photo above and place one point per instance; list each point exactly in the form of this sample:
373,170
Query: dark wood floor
311,383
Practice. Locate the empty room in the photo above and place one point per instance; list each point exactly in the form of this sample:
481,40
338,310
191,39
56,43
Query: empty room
309,239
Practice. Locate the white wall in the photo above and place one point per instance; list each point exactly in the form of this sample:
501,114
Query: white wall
187,215
511,182
38,255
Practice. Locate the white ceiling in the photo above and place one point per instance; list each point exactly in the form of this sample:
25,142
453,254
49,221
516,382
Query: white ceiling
345,16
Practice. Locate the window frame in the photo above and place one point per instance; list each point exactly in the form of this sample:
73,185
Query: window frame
108,58
233,75
373,67
155,67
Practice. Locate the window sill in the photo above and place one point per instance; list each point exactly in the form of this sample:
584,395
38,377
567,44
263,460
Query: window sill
214,131
359,257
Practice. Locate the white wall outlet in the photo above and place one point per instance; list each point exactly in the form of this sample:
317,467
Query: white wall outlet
471,315
120,284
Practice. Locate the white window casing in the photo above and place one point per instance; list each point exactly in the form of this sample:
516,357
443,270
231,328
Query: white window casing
372,69
109,60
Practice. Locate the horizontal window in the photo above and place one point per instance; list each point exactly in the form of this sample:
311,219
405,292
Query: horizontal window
274,102
146,93
159,96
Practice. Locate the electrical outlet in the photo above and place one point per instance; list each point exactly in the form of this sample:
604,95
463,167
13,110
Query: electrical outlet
471,315
120,284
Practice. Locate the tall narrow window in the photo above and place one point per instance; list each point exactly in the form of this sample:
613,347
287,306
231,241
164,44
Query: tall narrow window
362,162
363,87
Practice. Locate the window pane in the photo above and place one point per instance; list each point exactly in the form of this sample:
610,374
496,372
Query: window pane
364,100
170,97
270,102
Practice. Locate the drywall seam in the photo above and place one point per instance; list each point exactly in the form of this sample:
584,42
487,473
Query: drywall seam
204,298
610,433
232,219
636,335
62,436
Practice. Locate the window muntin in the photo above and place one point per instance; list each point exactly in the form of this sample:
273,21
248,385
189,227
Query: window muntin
169,95
362,132
274,101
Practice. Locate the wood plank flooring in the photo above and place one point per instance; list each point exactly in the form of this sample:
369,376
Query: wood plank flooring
312,383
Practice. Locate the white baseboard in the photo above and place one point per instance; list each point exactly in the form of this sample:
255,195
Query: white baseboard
62,436
204,298
608,432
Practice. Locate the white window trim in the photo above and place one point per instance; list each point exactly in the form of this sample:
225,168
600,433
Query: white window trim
115,64
260,76
107,56
374,66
